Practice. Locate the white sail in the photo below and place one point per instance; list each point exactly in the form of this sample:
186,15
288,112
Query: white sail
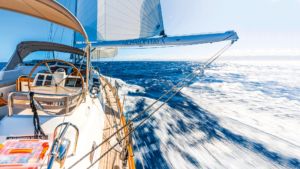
120,19
130,19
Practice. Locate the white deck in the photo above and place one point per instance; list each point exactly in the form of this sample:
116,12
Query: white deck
88,117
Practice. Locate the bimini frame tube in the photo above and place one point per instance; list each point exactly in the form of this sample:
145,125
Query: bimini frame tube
88,62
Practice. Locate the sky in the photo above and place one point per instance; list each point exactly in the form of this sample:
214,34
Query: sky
267,29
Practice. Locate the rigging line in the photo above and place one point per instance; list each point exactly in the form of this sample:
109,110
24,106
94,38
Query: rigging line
180,84
129,122
50,32
68,5
105,20
142,122
64,117
217,55
62,34
55,29
135,136
50,38
76,15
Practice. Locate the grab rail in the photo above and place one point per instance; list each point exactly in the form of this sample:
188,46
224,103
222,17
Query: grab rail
58,143
67,124
25,96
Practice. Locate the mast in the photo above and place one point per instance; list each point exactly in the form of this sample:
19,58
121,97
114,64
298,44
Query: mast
163,32
87,49
76,57
75,14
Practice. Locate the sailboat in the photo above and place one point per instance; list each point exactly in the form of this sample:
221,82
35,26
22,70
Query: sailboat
64,113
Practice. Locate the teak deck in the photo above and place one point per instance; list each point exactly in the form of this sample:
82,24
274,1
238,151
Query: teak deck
114,120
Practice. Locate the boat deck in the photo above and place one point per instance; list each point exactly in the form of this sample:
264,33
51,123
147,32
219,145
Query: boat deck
114,120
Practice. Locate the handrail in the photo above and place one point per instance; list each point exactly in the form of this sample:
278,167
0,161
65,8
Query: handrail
13,94
77,133
58,141
48,94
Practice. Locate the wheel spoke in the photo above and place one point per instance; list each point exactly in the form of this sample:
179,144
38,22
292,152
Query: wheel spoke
48,67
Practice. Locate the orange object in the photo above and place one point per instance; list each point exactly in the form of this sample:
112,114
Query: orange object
23,154
45,149
20,150
10,165
31,140
3,102
46,144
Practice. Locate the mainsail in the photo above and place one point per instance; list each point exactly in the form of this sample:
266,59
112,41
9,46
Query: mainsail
131,19
107,20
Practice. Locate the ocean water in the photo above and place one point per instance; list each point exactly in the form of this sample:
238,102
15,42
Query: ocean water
237,115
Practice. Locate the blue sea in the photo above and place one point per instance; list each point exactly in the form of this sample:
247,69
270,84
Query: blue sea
237,115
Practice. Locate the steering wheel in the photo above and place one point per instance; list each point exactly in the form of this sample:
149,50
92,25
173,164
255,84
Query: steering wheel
57,85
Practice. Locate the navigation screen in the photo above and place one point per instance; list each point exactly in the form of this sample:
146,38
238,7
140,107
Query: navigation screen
73,82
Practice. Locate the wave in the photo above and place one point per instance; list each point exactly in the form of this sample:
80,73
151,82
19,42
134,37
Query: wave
235,116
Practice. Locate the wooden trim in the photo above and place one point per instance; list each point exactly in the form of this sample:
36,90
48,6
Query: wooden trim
3,102
130,160
22,79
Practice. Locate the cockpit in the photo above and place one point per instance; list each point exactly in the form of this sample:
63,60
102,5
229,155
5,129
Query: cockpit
47,80
53,73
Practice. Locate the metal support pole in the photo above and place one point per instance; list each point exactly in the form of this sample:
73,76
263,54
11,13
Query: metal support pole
88,60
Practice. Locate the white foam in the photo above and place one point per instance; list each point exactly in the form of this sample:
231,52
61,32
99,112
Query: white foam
272,120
